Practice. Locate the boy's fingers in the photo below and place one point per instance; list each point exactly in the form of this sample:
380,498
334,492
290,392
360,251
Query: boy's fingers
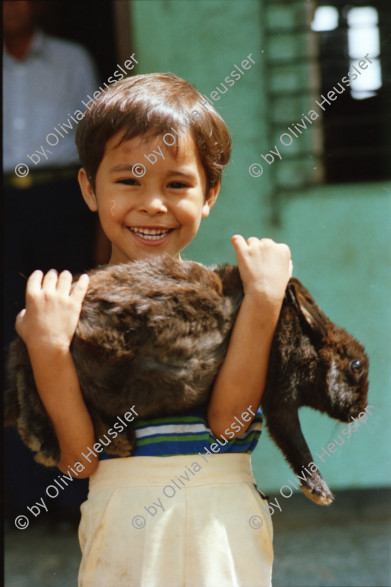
238,243
50,280
21,314
35,278
81,286
253,240
34,282
18,320
64,281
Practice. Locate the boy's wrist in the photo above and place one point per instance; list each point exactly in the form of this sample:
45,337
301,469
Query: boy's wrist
262,310
264,298
47,350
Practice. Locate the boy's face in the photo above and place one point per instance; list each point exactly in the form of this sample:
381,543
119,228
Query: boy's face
158,213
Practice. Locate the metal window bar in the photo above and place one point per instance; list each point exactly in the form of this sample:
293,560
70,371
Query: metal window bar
350,140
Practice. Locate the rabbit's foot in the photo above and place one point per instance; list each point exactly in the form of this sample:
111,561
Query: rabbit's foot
120,447
44,454
47,461
317,491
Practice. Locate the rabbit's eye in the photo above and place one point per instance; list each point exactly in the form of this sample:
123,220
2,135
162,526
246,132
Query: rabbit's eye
356,367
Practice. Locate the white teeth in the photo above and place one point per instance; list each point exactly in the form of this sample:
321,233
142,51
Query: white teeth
150,233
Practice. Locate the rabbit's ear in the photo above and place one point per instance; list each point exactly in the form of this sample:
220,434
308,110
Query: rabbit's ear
312,314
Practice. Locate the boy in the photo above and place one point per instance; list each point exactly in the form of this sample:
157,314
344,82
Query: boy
142,215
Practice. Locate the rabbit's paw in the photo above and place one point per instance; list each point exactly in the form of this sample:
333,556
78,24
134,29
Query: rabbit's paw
47,461
45,454
120,447
317,491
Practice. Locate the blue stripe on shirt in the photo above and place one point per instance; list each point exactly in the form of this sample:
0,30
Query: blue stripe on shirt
189,433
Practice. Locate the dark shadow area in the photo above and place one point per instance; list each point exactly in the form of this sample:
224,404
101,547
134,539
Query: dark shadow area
90,23
356,130
46,222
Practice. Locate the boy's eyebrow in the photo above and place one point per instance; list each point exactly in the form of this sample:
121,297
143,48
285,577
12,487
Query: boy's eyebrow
184,173
128,167
121,167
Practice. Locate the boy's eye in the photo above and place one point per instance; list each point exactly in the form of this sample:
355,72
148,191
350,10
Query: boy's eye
178,185
128,181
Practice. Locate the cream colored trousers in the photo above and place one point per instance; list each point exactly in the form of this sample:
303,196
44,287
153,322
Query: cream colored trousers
183,521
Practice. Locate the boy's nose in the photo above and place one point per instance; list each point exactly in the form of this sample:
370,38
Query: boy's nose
153,204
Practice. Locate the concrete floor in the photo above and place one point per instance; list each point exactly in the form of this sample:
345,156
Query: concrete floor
345,545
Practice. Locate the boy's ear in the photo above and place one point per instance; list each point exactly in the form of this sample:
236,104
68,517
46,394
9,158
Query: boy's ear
87,191
210,200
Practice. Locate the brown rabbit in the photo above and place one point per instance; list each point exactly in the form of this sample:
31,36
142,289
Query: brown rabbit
153,334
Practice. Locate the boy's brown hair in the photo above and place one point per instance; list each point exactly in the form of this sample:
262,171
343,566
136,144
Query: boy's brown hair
154,104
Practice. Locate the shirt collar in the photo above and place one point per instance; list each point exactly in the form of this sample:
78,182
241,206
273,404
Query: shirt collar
36,47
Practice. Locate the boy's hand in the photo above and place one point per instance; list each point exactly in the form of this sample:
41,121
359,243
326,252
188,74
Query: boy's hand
52,310
47,326
264,266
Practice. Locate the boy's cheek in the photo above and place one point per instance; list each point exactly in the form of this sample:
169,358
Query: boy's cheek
113,204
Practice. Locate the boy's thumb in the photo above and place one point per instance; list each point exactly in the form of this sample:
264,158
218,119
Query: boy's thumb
21,314
238,243
237,240
18,320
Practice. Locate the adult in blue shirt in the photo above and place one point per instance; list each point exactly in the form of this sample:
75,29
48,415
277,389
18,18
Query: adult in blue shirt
46,223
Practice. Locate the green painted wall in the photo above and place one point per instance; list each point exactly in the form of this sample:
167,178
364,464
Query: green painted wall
339,235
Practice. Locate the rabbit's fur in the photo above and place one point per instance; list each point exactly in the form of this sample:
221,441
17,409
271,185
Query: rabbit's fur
154,333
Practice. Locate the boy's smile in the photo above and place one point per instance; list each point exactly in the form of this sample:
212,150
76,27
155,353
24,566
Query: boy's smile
158,213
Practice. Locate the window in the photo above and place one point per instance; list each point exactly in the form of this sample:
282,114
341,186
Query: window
357,125
309,48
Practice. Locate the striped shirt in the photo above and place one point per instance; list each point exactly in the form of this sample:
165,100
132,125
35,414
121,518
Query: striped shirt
188,433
